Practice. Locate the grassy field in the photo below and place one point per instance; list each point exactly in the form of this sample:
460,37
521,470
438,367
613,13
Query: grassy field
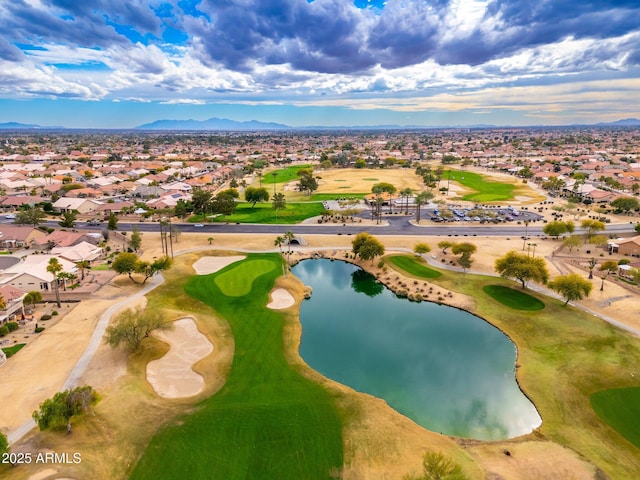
264,213
413,266
565,355
512,298
620,408
485,190
11,351
284,175
267,421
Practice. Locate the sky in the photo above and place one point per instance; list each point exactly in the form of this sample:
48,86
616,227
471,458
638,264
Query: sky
122,63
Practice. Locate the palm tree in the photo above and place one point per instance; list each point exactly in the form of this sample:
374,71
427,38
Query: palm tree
278,242
421,199
32,298
3,303
55,268
406,193
210,240
82,266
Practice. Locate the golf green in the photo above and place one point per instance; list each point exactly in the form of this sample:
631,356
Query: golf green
512,298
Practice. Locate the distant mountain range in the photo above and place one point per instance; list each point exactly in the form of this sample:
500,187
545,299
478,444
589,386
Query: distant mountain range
625,122
212,124
224,124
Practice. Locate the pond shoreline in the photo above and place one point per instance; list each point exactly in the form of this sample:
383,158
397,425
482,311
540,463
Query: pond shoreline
404,286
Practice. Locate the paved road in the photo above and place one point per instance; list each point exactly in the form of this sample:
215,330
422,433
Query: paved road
81,365
395,225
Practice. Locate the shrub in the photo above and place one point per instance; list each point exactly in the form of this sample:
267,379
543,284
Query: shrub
45,317
12,326
381,264
39,329
54,313
4,330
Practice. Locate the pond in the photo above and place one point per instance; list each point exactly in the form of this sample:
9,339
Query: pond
444,368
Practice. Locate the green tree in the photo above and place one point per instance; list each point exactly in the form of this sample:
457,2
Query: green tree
421,199
436,466
68,219
421,248
278,242
444,244
112,224
224,203
254,195
522,267
83,266
30,216
571,287
54,267
125,263
133,325
57,412
149,269
572,242
201,201
608,267
4,444
406,194
557,228
625,204
32,298
592,226
279,202
592,264
135,241
308,183
366,246
554,185
465,250
637,227
385,187
182,208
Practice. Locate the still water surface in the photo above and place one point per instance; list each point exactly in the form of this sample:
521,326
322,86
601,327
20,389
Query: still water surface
444,368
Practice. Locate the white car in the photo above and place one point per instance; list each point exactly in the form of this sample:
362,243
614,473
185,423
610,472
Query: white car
198,225
10,216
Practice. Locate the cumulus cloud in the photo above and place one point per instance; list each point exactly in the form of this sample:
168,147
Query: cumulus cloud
257,49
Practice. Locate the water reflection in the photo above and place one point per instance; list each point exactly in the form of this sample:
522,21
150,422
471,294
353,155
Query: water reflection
444,368
362,282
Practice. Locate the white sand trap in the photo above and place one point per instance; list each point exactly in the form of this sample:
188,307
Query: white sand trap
207,265
172,376
280,298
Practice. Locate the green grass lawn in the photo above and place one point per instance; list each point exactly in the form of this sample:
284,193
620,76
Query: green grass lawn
485,190
238,281
264,213
513,298
414,266
620,408
284,175
565,355
267,422
11,351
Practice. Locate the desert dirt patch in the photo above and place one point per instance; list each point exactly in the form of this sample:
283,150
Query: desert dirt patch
172,375
354,180
280,298
207,265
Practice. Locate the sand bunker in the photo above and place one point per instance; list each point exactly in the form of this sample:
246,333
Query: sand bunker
172,376
207,265
280,298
